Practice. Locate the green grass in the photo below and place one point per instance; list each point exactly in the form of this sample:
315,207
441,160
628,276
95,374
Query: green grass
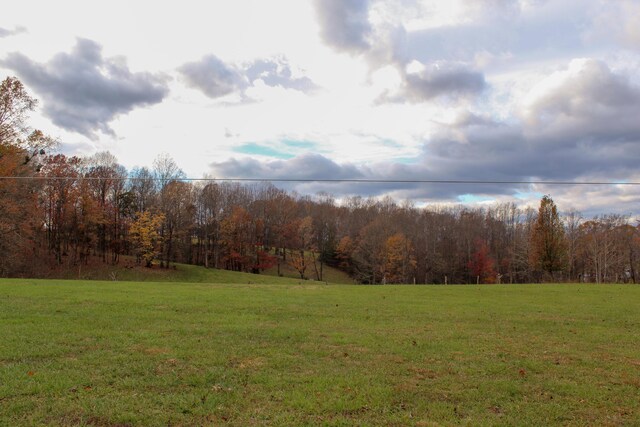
115,353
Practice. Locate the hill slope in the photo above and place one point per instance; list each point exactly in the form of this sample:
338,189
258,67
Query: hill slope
127,270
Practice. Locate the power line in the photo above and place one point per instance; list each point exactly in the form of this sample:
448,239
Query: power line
329,180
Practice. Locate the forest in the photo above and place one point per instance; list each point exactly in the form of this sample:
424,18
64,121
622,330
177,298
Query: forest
65,210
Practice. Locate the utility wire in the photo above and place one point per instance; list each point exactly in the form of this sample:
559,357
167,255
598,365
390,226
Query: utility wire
323,180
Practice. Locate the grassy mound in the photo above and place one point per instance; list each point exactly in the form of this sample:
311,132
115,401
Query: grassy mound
127,270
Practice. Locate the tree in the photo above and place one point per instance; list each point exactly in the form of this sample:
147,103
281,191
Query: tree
399,259
145,237
368,256
344,251
143,188
573,219
21,151
236,232
482,264
15,105
166,172
604,248
548,246
101,171
60,196
304,255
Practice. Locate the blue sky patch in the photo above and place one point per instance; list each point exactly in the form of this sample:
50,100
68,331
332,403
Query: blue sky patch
262,150
526,195
406,160
472,198
307,145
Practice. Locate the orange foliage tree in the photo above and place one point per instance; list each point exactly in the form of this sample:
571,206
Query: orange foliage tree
21,150
399,259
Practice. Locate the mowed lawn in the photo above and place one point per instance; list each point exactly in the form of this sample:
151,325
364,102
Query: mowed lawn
123,353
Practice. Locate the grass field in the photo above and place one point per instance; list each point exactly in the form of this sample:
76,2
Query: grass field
117,354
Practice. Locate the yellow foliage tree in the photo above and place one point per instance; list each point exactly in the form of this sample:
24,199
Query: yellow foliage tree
145,236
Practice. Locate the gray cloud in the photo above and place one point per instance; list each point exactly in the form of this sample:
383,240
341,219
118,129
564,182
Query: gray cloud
344,24
306,166
584,127
451,81
588,93
213,77
17,30
513,35
82,91
216,78
592,110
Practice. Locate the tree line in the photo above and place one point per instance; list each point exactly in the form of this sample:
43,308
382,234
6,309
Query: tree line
93,207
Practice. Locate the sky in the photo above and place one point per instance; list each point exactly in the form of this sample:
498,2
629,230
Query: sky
490,90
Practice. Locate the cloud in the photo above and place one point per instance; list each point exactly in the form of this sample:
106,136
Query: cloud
579,124
344,24
620,19
277,73
305,167
524,32
217,79
586,100
17,30
213,77
453,81
346,27
83,92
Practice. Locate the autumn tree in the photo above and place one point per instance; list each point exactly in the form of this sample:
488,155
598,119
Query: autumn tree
368,256
103,181
344,252
179,211
284,224
399,259
303,255
15,106
237,239
145,237
59,198
166,172
482,265
21,152
324,232
548,246
209,208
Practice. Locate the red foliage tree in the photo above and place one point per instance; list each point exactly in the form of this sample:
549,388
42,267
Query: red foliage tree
482,265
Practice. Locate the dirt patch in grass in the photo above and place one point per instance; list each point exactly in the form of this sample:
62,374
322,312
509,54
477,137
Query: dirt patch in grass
156,350
249,363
